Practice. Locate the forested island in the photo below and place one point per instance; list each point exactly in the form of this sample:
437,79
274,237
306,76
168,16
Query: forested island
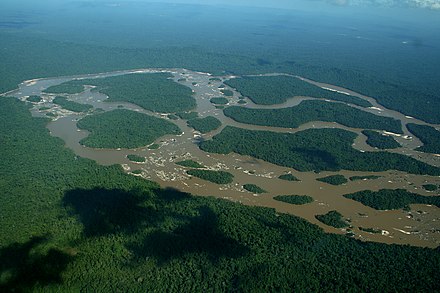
73,87
294,199
311,110
333,179
71,105
190,164
380,141
288,177
254,188
124,129
311,150
392,199
268,90
218,177
333,218
151,91
204,125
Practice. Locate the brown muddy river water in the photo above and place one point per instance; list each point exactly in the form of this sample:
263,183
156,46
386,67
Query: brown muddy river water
420,226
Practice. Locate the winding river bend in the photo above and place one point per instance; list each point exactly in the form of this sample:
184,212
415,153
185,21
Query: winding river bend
420,226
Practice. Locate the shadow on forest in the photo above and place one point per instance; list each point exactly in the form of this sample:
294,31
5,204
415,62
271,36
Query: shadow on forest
200,235
104,211
22,265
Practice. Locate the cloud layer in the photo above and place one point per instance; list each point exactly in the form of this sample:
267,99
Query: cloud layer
428,4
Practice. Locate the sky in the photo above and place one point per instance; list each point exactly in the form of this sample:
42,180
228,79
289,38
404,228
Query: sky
291,4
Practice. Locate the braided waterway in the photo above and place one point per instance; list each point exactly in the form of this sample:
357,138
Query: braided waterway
420,226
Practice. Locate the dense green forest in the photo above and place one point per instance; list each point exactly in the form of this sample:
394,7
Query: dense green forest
204,125
311,150
218,177
333,218
62,228
71,105
219,101
72,87
28,57
392,199
34,99
124,129
430,187
136,158
190,164
294,199
428,135
268,90
254,188
288,177
333,179
313,110
380,141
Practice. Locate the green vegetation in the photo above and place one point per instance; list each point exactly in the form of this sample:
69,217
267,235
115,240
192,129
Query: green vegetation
288,177
80,226
153,146
391,199
137,172
254,188
136,158
71,106
242,102
370,230
124,129
218,177
65,88
380,141
227,93
219,107
204,125
332,218
294,199
219,101
194,83
34,99
187,115
428,135
44,108
334,179
313,110
311,150
367,177
430,187
214,79
152,91
190,164
268,90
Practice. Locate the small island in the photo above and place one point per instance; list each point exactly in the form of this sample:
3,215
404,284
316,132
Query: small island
218,177
333,219
294,199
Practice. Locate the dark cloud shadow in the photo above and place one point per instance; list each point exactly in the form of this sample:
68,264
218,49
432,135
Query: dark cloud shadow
106,211
200,235
23,266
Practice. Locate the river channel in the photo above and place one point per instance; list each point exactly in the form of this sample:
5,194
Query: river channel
420,226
